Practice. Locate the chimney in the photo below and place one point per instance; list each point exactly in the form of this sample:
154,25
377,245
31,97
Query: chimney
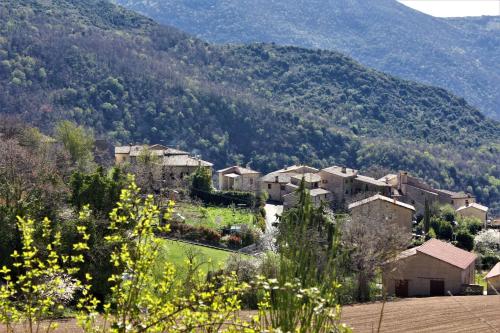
344,169
276,179
466,203
387,180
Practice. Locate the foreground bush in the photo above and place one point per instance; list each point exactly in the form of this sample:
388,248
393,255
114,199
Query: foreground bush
139,302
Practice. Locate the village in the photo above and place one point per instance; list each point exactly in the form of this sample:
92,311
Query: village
434,267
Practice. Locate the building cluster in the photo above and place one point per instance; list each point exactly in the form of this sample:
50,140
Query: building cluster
432,269
400,195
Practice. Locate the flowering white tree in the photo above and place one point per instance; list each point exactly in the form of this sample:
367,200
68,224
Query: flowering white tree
488,241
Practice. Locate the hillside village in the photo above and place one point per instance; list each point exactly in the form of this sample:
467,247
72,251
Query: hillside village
397,200
155,181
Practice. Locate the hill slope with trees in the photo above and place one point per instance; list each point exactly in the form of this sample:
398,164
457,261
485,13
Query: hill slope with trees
133,80
458,55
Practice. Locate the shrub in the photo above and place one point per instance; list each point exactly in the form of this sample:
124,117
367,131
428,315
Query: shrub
465,240
487,241
198,234
474,225
225,198
489,260
234,241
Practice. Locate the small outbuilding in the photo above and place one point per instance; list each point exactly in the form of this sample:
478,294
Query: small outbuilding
493,280
474,210
237,178
435,268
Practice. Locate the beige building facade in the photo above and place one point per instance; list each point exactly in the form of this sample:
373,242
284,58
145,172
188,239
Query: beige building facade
176,165
493,280
237,178
277,184
385,210
474,210
435,268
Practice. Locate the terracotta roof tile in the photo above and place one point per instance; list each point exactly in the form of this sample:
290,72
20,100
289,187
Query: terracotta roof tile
495,271
447,253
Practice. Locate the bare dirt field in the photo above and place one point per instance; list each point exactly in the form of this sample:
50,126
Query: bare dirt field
469,314
435,314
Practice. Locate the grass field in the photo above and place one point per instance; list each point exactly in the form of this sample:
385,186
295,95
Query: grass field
214,217
177,252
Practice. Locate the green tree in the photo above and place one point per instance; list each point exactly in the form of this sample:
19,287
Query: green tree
99,190
201,181
78,141
427,219
465,240
306,287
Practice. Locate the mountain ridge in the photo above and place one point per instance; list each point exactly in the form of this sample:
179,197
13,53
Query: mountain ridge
382,34
133,80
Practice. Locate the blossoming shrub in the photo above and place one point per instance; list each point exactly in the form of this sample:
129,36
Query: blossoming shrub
142,302
44,282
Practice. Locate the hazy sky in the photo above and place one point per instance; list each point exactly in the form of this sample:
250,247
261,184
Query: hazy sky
449,8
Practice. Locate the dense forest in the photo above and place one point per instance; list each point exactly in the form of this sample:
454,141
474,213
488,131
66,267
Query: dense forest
132,80
456,54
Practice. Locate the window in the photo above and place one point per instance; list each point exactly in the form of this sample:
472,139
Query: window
324,181
282,187
346,181
251,181
268,186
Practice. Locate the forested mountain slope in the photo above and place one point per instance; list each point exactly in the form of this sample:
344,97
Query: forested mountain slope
383,34
136,81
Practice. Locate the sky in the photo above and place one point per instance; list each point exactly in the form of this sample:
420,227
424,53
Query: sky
455,8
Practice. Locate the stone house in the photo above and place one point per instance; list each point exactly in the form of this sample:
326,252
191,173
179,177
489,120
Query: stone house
493,280
435,268
275,183
385,210
346,183
455,199
318,196
474,210
415,192
237,178
176,165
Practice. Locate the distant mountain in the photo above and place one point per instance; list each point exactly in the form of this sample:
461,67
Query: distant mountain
458,55
133,80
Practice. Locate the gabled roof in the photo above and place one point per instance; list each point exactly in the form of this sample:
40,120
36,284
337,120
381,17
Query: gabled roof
156,149
337,171
474,205
388,177
380,197
232,175
447,253
308,177
184,160
455,195
370,180
297,169
318,191
239,170
283,178
495,271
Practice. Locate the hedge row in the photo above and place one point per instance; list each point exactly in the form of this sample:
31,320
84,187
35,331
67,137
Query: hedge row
197,234
225,198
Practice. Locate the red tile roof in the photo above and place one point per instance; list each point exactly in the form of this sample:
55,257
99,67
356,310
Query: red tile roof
495,271
447,253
